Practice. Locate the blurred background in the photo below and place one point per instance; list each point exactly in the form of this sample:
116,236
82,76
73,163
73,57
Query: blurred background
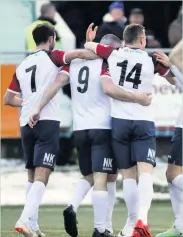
163,22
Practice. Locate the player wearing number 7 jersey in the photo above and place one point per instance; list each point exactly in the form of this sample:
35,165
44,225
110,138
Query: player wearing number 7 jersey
133,129
40,144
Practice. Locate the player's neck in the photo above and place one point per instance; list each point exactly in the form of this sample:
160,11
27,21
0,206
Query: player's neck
42,47
136,46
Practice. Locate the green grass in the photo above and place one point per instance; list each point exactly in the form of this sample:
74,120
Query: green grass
51,220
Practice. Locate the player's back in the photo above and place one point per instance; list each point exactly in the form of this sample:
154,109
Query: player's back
133,69
34,75
91,107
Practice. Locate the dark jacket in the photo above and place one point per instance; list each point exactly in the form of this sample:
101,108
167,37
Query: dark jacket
109,28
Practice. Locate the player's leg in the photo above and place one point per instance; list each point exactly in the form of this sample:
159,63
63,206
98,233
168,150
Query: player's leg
102,164
174,178
121,130
46,148
111,188
144,153
130,194
83,186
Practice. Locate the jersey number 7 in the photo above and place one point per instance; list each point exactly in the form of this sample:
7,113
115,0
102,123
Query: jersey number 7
137,69
32,69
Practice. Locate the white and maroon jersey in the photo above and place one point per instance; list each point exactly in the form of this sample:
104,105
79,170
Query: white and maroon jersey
32,77
179,120
91,107
133,70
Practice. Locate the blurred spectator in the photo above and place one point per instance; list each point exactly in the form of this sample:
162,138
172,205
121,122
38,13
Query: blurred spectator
47,16
113,22
175,30
66,138
137,17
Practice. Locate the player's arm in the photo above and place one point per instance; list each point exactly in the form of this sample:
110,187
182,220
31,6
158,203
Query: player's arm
61,80
10,97
173,75
176,55
80,53
116,92
103,51
61,58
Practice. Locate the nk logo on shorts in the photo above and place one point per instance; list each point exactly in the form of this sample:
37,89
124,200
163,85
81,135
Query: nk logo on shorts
107,165
48,159
151,155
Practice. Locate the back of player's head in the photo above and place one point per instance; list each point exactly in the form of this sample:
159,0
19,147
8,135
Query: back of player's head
45,8
132,32
42,33
111,40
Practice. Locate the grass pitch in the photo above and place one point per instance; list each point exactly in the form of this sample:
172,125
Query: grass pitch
51,219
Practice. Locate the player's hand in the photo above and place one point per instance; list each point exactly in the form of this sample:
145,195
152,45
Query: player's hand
162,58
144,98
34,118
91,33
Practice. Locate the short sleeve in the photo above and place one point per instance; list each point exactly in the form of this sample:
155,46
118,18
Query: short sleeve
104,51
14,86
65,69
58,57
105,70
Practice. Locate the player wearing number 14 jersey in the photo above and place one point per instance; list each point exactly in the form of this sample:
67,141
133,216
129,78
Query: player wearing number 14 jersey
133,129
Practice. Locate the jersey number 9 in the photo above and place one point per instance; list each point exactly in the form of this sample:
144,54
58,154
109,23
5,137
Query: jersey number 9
83,79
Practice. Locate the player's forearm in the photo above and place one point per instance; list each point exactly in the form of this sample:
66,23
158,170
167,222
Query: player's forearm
91,46
48,95
178,75
80,53
176,55
116,92
61,80
14,102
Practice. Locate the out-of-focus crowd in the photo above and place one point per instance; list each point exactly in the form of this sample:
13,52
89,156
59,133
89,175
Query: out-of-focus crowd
113,22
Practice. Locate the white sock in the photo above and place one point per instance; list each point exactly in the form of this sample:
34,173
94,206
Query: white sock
178,182
99,200
175,196
80,191
130,192
145,192
176,200
111,188
33,201
28,187
33,221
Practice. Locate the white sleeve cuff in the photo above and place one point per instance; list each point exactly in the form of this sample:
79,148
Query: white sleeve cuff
14,92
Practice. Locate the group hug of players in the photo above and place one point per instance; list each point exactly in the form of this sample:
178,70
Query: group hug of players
113,126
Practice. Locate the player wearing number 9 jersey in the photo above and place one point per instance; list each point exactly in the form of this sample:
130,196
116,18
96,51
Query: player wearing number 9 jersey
133,129
40,144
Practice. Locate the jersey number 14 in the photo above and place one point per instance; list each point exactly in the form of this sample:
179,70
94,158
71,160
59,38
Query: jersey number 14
136,69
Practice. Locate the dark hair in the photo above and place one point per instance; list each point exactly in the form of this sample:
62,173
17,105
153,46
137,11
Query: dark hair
111,39
42,32
45,8
136,11
132,32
